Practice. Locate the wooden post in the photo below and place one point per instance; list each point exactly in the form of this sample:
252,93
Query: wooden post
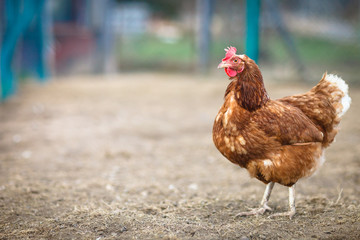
252,29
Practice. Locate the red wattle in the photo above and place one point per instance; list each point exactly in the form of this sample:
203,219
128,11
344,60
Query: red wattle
230,72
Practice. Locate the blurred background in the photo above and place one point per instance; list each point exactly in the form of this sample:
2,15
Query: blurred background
298,40
108,106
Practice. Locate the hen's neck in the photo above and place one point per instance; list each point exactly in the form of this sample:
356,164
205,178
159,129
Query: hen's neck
249,89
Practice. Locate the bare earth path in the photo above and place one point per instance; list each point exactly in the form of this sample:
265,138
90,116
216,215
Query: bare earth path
132,158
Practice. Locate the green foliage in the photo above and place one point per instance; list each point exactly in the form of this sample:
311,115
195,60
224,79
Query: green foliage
149,51
164,8
317,50
313,50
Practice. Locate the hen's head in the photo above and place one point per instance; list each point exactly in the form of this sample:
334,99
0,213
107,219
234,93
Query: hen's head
232,63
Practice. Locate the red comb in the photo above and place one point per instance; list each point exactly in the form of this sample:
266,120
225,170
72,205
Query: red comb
230,51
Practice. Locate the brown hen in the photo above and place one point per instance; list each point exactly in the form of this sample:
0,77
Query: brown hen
277,141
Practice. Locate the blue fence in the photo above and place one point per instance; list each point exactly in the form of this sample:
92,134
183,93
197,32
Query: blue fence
23,19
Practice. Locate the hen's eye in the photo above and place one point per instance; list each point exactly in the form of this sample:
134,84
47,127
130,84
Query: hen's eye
235,60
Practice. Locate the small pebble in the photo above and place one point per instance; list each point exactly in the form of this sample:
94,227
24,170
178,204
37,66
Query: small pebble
193,186
16,138
26,154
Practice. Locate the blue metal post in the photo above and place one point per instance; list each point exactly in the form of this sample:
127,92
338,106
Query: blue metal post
104,36
252,29
18,16
7,48
41,33
205,12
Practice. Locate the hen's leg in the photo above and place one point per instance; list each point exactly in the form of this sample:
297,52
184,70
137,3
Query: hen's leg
264,207
292,211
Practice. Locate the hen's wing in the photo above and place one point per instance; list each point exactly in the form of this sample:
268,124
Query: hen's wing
287,124
324,104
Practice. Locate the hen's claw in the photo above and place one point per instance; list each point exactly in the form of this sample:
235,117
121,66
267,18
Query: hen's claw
255,211
264,207
290,214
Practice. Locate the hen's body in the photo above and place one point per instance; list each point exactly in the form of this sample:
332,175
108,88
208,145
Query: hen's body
283,140
277,140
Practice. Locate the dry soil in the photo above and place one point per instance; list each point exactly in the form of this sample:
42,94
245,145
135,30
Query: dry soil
131,157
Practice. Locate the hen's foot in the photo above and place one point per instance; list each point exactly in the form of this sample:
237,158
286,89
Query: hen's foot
292,211
255,211
290,214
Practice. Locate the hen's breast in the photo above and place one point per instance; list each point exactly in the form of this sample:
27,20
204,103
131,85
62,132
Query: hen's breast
234,135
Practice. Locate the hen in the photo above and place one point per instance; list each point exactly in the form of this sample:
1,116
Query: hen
277,141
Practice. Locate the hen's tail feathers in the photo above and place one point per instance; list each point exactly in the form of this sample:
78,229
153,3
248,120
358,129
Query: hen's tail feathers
345,100
336,91
339,92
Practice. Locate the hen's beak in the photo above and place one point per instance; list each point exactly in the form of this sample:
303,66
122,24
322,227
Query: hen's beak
223,65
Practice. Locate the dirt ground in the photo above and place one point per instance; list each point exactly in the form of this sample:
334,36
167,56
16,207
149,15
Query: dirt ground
131,157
